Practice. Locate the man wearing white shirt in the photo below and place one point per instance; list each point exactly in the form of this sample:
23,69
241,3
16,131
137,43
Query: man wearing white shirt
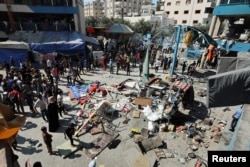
49,63
43,107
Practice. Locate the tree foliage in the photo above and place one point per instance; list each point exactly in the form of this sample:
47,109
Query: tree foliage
91,21
142,27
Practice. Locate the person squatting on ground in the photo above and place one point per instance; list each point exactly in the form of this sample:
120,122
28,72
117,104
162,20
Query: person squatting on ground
47,138
43,107
69,132
236,117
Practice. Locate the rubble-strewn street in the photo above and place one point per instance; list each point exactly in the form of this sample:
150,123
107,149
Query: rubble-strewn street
124,132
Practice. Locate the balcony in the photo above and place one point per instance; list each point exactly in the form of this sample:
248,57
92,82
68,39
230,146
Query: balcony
26,26
232,7
118,3
41,2
16,8
234,2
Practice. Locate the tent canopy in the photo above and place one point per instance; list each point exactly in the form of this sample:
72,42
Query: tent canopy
14,45
66,42
118,28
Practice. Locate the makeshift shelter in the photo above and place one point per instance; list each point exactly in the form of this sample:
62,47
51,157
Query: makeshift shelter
18,50
120,29
229,88
64,42
120,32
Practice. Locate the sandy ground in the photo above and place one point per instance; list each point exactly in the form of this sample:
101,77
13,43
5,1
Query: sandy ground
126,153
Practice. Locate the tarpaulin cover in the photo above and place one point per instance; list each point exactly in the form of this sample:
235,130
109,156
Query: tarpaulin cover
229,88
18,55
79,90
14,45
238,60
66,42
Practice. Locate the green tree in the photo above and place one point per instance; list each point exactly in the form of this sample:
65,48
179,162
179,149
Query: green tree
142,27
91,21
106,21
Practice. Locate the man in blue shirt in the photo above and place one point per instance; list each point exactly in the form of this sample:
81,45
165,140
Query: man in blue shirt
236,117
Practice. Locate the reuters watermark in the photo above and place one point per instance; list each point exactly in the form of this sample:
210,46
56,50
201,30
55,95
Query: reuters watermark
225,158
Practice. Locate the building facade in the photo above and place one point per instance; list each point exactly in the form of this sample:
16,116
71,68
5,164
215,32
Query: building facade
190,12
94,8
123,8
150,13
42,15
231,25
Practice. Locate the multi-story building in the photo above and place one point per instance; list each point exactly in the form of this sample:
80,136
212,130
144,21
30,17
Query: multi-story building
231,28
42,15
231,25
190,12
122,8
150,13
94,8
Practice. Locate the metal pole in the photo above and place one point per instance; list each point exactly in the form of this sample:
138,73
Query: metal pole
122,16
175,50
146,65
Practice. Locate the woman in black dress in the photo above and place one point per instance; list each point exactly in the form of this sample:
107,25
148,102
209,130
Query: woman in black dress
52,111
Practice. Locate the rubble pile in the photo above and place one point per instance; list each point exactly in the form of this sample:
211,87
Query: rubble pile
158,116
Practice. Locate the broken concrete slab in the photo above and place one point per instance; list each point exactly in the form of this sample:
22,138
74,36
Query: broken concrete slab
151,143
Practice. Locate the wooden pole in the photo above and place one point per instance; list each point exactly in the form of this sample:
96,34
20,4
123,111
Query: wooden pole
85,123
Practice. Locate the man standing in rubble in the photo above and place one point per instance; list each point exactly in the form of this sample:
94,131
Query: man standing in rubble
236,117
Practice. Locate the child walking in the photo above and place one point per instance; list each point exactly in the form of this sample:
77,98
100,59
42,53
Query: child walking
47,138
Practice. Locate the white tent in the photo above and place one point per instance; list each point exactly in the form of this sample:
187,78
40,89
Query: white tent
14,45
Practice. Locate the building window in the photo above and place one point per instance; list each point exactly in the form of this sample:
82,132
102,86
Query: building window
175,21
176,12
169,4
186,11
199,1
167,12
188,2
184,21
197,11
209,10
195,22
177,3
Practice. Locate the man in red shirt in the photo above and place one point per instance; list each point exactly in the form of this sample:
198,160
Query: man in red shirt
14,97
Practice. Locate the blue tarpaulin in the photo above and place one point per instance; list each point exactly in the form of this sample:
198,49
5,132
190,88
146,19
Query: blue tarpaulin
65,42
18,55
79,90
